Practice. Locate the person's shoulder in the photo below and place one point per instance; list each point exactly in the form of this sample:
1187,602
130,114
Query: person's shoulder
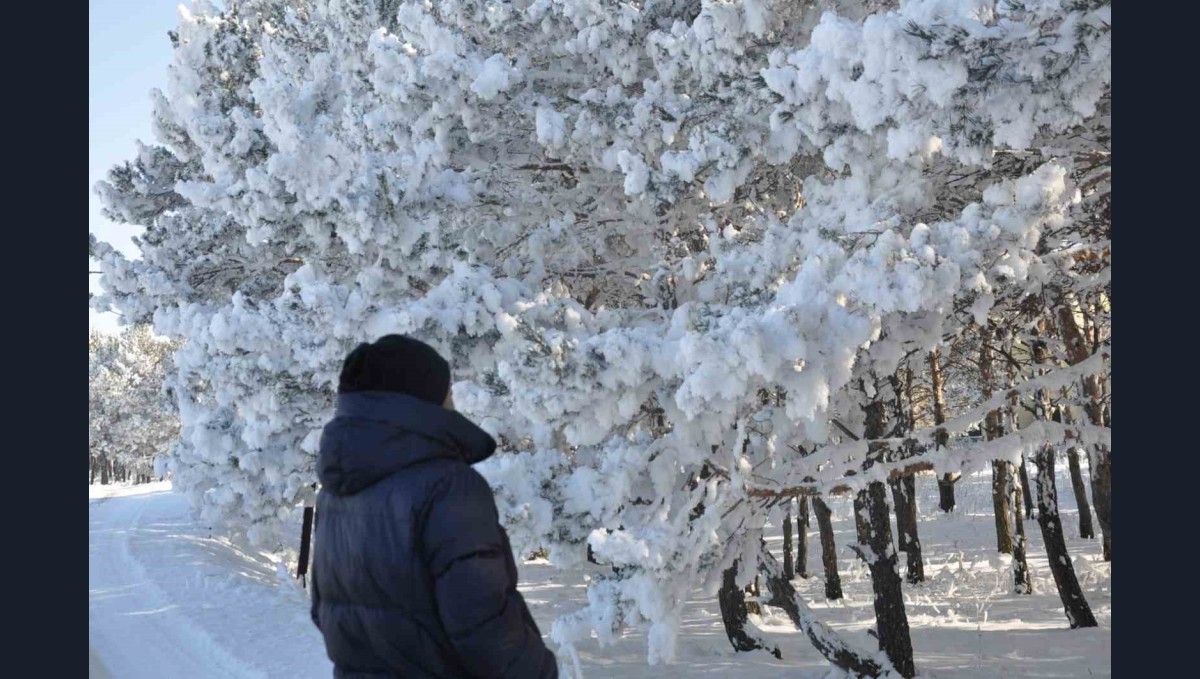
436,479
459,478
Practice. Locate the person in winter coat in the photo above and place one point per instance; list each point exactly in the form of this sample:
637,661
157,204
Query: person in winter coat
413,576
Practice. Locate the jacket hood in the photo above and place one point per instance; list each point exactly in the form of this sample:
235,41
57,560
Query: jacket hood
376,433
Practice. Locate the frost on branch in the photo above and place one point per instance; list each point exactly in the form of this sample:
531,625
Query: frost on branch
663,246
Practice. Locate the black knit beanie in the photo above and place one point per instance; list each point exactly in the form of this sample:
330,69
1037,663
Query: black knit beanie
396,363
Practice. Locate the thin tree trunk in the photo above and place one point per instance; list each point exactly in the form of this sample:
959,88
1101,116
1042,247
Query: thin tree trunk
875,546
946,482
825,640
992,430
306,529
833,581
802,538
734,614
904,496
1000,508
874,528
1077,485
1079,614
900,502
1099,458
1022,583
105,470
1081,498
788,572
1026,496
1100,462
92,465
946,492
905,490
914,562
1010,417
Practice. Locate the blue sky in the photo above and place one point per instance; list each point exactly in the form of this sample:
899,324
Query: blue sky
128,54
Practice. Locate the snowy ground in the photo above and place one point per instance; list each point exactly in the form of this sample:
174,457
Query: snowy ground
166,599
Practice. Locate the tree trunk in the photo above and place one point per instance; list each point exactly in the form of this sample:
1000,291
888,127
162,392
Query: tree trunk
1100,462
1077,485
788,572
833,581
1022,583
1079,614
1081,498
92,465
875,547
946,482
734,614
306,527
1000,508
874,529
900,502
825,640
105,470
1011,419
802,538
1026,495
946,492
993,429
906,488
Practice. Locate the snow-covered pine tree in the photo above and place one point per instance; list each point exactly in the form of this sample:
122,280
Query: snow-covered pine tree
131,417
663,244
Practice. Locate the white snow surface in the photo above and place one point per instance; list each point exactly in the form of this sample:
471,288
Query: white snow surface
167,599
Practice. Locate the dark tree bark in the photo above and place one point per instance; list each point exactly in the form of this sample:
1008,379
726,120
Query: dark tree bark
305,544
904,493
788,572
1081,498
1026,495
1000,508
92,465
105,470
1022,583
874,528
1100,461
900,502
946,482
802,538
734,612
1079,614
833,581
1099,457
992,430
875,547
1077,485
1010,417
946,492
904,490
825,640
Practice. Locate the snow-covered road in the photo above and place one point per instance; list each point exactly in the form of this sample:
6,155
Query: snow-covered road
167,600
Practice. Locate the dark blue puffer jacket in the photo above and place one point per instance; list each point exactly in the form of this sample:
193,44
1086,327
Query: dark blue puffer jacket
413,576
